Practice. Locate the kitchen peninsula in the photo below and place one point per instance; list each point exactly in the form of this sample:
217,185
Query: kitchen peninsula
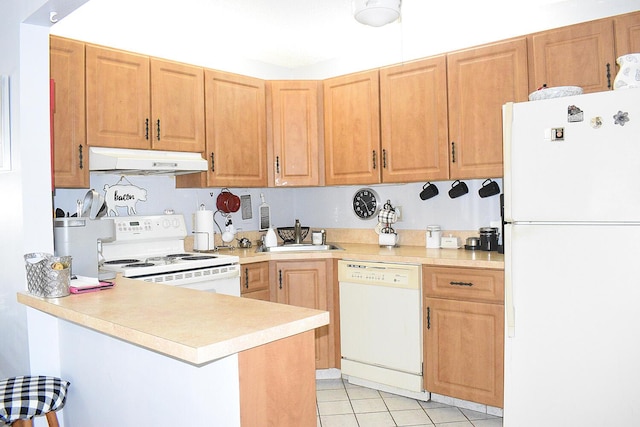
144,354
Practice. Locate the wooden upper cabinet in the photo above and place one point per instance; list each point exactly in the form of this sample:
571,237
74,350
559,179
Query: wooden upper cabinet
118,98
236,130
70,156
177,106
576,55
481,80
413,121
134,101
352,129
294,121
627,33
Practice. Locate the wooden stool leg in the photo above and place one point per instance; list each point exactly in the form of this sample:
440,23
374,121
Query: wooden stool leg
52,419
22,423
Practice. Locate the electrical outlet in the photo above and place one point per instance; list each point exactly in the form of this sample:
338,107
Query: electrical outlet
398,213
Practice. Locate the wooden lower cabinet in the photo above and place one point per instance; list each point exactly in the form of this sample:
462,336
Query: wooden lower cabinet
308,284
278,383
254,281
464,333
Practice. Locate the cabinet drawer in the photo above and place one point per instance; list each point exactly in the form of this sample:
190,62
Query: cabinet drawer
464,283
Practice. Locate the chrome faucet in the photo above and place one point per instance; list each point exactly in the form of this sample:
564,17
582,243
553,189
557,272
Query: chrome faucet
297,233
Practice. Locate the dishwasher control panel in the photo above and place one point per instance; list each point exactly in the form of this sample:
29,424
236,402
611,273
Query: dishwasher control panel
382,274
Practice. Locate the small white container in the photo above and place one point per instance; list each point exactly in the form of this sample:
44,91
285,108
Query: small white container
433,236
270,239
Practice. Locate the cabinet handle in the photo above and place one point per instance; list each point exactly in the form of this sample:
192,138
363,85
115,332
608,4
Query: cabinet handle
608,75
384,159
277,164
453,152
213,169
461,283
246,277
428,317
280,278
80,158
158,129
373,158
146,129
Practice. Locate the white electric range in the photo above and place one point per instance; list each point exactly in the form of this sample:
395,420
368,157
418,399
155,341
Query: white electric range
151,248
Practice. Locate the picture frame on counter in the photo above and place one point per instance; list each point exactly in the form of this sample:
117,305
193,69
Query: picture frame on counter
5,126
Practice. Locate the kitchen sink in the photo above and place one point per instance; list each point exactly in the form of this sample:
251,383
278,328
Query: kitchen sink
301,247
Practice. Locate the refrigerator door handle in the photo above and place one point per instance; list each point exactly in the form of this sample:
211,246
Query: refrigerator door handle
507,120
510,310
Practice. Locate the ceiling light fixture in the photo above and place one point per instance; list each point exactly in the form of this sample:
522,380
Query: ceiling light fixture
376,13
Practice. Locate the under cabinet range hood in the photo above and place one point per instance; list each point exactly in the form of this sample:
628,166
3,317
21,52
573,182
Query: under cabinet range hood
144,162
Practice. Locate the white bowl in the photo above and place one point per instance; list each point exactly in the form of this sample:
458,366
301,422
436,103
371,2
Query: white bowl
554,92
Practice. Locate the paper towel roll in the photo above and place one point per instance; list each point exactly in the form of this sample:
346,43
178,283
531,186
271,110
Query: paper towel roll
203,230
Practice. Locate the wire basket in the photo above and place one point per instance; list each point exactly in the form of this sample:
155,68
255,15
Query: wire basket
288,234
48,276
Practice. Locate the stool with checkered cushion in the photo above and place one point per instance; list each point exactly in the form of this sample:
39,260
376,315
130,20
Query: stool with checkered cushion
22,398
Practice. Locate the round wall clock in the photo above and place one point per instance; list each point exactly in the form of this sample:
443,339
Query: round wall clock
366,203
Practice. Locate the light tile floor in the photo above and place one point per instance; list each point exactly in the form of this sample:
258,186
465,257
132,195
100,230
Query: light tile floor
341,404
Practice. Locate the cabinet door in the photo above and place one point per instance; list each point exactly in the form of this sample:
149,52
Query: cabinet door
576,55
352,129
294,112
118,101
236,130
464,350
481,80
413,114
627,33
70,156
304,284
177,106
254,281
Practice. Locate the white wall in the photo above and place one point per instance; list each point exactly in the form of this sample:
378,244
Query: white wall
25,224
326,207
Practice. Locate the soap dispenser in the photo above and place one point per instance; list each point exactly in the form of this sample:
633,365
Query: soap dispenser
270,239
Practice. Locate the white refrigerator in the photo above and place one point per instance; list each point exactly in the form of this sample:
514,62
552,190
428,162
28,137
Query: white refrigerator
572,261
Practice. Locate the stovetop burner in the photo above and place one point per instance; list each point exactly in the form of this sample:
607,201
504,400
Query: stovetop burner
198,257
177,255
140,264
122,261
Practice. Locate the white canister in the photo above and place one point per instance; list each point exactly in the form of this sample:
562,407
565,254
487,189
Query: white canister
433,236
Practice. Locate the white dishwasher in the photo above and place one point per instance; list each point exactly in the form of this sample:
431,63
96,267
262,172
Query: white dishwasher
381,323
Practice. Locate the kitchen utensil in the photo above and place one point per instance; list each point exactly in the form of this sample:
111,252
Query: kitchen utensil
387,214
244,243
472,243
429,190
458,188
204,239
93,205
287,234
450,242
387,237
554,92
433,236
489,238
265,214
270,239
227,202
489,188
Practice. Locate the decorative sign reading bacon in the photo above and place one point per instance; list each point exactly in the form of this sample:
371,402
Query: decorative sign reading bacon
119,195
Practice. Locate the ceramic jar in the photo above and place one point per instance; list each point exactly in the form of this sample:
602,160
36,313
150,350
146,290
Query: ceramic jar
629,75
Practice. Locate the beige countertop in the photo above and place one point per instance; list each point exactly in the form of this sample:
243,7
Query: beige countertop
370,252
193,326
